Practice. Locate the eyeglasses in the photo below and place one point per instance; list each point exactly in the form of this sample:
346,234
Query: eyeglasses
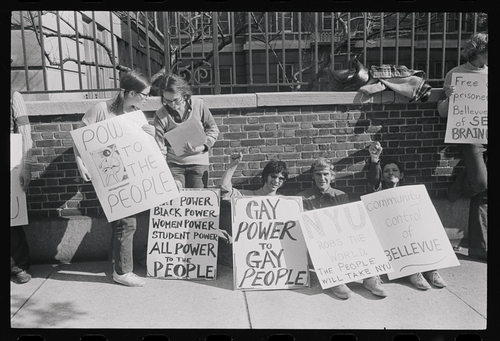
143,95
175,101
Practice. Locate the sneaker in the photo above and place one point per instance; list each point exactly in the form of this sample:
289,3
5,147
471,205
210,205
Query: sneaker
455,190
374,284
342,291
23,277
418,281
130,279
435,279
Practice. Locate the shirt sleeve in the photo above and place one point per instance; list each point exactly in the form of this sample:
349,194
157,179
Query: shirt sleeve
159,125
211,129
20,115
374,177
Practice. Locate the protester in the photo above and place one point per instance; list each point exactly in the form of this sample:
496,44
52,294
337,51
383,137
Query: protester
321,195
134,92
190,168
274,175
19,249
389,175
472,182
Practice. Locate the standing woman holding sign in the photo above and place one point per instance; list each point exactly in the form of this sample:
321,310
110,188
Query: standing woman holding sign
472,182
133,94
190,168
389,175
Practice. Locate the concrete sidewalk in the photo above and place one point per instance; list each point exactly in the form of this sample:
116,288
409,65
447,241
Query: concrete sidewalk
84,296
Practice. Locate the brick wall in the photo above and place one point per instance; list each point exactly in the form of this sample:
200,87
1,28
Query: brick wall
413,133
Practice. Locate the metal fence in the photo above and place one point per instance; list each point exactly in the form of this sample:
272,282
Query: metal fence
81,52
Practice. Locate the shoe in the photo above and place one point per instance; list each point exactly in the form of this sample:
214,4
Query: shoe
342,291
418,281
455,190
435,278
130,279
374,284
23,277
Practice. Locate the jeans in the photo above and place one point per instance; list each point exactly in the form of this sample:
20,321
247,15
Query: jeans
123,241
190,176
475,187
19,250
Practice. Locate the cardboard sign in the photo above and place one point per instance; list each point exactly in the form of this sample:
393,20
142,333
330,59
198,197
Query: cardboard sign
409,230
468,109
18,207
190,131
343,244
127,168
269,251
182,242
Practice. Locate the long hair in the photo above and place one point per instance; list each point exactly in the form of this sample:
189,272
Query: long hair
176,84
275,167
132,80
476,44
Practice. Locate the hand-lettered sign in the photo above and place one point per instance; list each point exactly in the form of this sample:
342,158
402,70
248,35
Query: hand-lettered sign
269,251
409,230
127,168
18,208
343,244
468,109
183,236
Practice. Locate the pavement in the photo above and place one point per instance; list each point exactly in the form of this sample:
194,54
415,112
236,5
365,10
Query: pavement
81,299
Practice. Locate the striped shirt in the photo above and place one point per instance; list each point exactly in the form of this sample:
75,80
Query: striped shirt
20,124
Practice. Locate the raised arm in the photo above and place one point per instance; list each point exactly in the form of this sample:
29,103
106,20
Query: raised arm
225,181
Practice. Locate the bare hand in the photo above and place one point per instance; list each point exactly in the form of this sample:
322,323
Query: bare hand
449,90
25,177
84,173
149,129
375,150
235,159
189,149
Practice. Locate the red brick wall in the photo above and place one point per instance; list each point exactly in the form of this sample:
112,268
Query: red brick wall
411,132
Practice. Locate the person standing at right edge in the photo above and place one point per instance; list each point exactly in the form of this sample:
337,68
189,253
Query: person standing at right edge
472,182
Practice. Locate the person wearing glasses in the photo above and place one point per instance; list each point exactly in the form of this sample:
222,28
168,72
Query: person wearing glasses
178,107
321,194
472,182
134,92
274,176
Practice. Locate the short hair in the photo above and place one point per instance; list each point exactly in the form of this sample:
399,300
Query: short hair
476,44
275,167
174,83
321,163
389,161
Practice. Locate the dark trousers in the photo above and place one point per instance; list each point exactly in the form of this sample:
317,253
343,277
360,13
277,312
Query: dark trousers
19,250
475,187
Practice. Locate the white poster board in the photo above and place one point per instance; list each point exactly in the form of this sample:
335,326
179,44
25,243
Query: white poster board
409,230
182,242
468,109
190,131
18,206
127,168
269,251
343,244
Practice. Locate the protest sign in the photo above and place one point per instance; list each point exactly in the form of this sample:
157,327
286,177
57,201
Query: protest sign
190,131
127,168
342,244
182,242
18,207
468,109
269,251
409,230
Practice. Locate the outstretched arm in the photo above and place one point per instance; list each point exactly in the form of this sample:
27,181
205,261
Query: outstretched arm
225,180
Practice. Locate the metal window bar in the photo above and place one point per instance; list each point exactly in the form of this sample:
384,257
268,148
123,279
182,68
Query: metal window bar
249,18
112,40
148,49
233,37
428,52
299,19
59,41
217,87
42,51
443,49
77,45
25,55
266,40
332,40
94,28
381,38
397,39
412,53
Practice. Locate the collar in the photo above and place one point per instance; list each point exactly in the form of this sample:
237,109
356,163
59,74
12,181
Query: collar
188,109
